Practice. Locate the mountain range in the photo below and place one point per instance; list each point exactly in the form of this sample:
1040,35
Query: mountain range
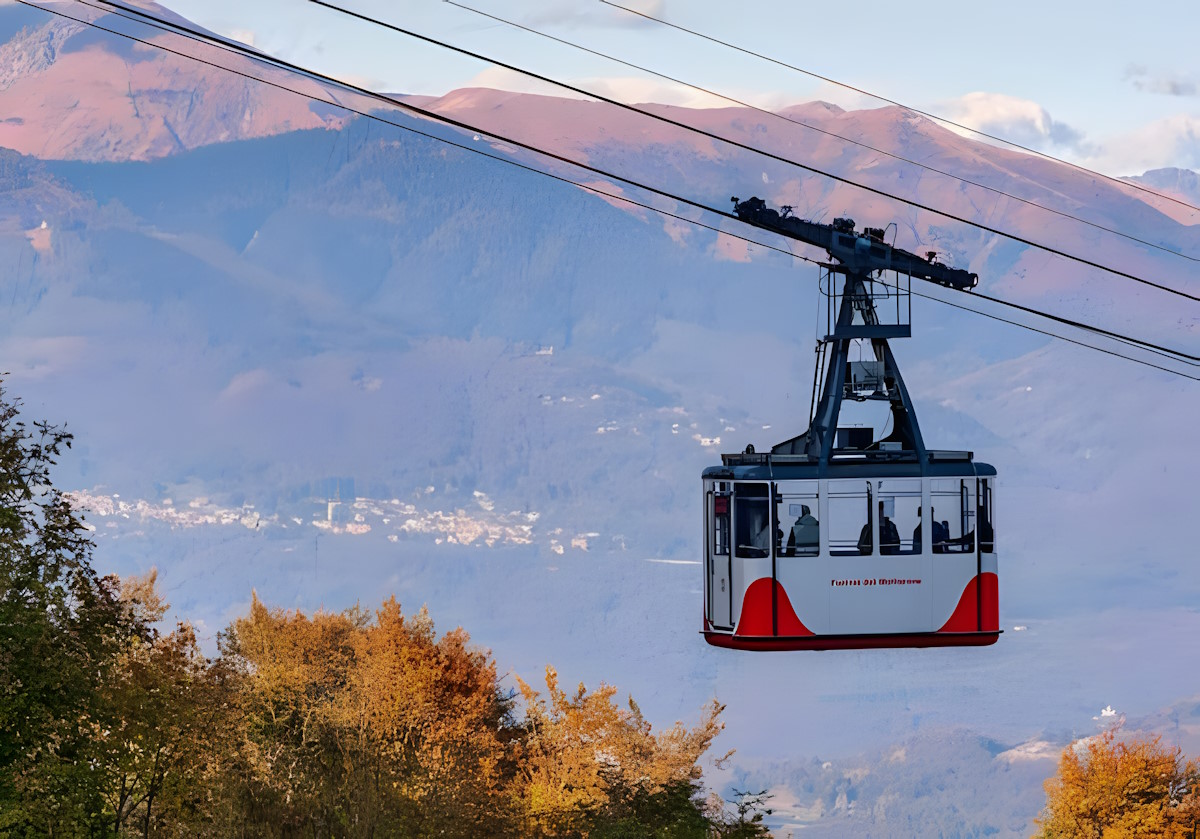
319,356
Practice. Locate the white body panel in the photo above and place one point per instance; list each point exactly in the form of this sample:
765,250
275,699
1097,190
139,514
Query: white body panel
841,594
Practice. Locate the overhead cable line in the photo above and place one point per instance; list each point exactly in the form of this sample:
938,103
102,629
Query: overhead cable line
1157,349
1174,355
1054,334
881,98
279,63
243,51
780,116
736,144
246,52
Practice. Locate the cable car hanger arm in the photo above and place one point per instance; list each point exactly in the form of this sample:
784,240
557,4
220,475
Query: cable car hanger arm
861,253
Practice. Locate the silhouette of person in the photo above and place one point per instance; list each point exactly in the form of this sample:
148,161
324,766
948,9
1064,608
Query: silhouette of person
806,533
889,536
941,534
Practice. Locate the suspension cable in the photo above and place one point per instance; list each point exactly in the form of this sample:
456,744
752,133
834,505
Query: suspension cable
243,51
784,117
880,98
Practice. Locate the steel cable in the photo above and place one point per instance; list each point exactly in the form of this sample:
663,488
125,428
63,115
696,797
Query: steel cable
880,98
741,102
243,51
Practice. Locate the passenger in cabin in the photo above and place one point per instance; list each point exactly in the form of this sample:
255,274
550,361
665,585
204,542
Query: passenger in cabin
941,534
805,535
762,533
987,538
889,536
754,529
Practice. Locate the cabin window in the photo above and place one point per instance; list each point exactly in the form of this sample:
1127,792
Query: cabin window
901,498
953,509
983,519
796,512
753,530
720,525
849,511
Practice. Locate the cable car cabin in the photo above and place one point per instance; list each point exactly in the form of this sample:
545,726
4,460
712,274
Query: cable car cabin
835,539
859,554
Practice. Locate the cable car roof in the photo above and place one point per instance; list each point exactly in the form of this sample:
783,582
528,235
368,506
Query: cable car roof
766,466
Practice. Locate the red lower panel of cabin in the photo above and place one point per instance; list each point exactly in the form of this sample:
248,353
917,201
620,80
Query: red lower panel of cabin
853,642
978,609
768,622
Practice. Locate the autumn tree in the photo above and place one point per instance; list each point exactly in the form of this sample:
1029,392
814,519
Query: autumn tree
1109,787
366,725
346,724
437,714
357,724
102,719
61,627
588,765
160,726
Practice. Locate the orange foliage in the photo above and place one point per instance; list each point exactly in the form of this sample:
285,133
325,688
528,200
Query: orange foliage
378,719
334,725
1113,789
583,751
355,724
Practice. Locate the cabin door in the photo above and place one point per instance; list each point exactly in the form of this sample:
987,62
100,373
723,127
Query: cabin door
720,569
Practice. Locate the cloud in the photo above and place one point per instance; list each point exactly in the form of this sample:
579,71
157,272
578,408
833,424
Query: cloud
245,36
1173,141
1169,84
623,89
246,382
37,358
1020,120
635,90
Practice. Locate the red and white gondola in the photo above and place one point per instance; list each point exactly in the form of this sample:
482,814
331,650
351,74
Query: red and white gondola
837,540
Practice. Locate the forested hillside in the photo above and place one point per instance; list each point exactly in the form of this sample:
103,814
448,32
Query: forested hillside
356,723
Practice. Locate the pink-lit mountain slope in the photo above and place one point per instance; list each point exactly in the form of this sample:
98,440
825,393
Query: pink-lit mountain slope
698,166
1030,197
1182,185
72,92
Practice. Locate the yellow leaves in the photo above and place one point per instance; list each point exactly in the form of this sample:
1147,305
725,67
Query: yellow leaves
1110,789
583,749
139,594
370,724
378,710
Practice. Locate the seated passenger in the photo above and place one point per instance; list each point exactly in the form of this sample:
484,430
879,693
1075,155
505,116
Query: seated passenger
889,536
987,537
917,532
806,533
864,538
941,535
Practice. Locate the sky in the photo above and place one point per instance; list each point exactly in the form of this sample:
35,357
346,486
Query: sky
1112,86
